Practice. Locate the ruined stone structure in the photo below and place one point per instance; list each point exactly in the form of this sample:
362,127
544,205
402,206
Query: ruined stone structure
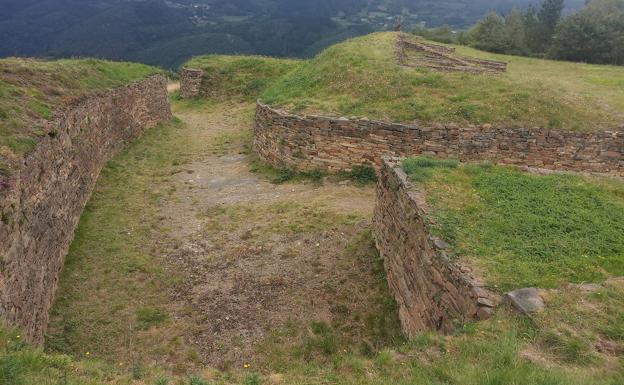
432,291
318,142
410,52
190,82
41,203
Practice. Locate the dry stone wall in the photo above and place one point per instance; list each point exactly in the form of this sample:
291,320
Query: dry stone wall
432,291
41,203
418,53
190,82
309,142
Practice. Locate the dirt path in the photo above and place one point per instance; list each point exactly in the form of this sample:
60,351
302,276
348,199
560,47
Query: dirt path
254,255
187,259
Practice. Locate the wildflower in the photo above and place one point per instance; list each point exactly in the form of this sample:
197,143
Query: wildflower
17,337
87,353
247,366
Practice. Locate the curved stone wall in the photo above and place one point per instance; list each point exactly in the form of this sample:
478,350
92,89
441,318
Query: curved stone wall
432,291
309,142
41,203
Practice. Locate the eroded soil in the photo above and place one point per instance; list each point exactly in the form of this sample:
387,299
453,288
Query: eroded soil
255,255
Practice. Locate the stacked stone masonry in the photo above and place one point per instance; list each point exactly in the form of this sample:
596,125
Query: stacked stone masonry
318,142
441,58
432,291
41,203
191,82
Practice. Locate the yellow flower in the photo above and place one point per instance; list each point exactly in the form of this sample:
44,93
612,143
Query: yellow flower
87,353
18,337
247,366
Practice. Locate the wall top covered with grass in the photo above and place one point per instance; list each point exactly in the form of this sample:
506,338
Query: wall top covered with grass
42,198
330,143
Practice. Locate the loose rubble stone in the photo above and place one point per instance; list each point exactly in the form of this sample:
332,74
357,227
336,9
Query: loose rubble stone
440,244
527,300
484,313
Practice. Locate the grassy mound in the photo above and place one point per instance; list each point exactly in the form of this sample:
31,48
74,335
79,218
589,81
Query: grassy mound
525,229
361,77
31,89
244,77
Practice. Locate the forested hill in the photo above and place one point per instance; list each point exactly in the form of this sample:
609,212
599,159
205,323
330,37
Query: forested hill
167,32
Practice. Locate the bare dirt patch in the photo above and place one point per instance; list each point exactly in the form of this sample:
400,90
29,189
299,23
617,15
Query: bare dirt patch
255,255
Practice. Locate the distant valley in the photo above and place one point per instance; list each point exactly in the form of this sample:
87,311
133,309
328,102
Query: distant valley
168,32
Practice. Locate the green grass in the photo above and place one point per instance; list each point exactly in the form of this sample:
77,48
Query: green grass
243,77
360,175
564,345
558,347
21,364
31,89
361,78
526,229
114,283
279,175
149,316
110,300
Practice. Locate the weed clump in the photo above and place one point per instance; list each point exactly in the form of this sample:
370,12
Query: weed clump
150,316
361,175
420,169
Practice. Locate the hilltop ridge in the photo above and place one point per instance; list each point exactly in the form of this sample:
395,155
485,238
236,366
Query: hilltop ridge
143,30
362,77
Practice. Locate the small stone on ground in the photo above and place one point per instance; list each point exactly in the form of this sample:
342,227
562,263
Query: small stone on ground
527,300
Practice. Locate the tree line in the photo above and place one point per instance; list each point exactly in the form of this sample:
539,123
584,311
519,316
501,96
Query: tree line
593,35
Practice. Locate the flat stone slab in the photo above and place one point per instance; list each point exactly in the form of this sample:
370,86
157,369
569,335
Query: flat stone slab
527,300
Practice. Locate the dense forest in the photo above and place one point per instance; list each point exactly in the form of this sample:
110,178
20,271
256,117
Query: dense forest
167,32
595,34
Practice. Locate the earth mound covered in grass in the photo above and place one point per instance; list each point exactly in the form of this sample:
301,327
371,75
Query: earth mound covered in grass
362,77
244,77
30,91
525,229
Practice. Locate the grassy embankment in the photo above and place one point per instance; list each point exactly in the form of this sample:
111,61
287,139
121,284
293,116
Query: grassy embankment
31,89
361,77
525,229
241,77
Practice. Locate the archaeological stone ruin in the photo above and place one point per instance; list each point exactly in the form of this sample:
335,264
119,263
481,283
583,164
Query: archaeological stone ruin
42,201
